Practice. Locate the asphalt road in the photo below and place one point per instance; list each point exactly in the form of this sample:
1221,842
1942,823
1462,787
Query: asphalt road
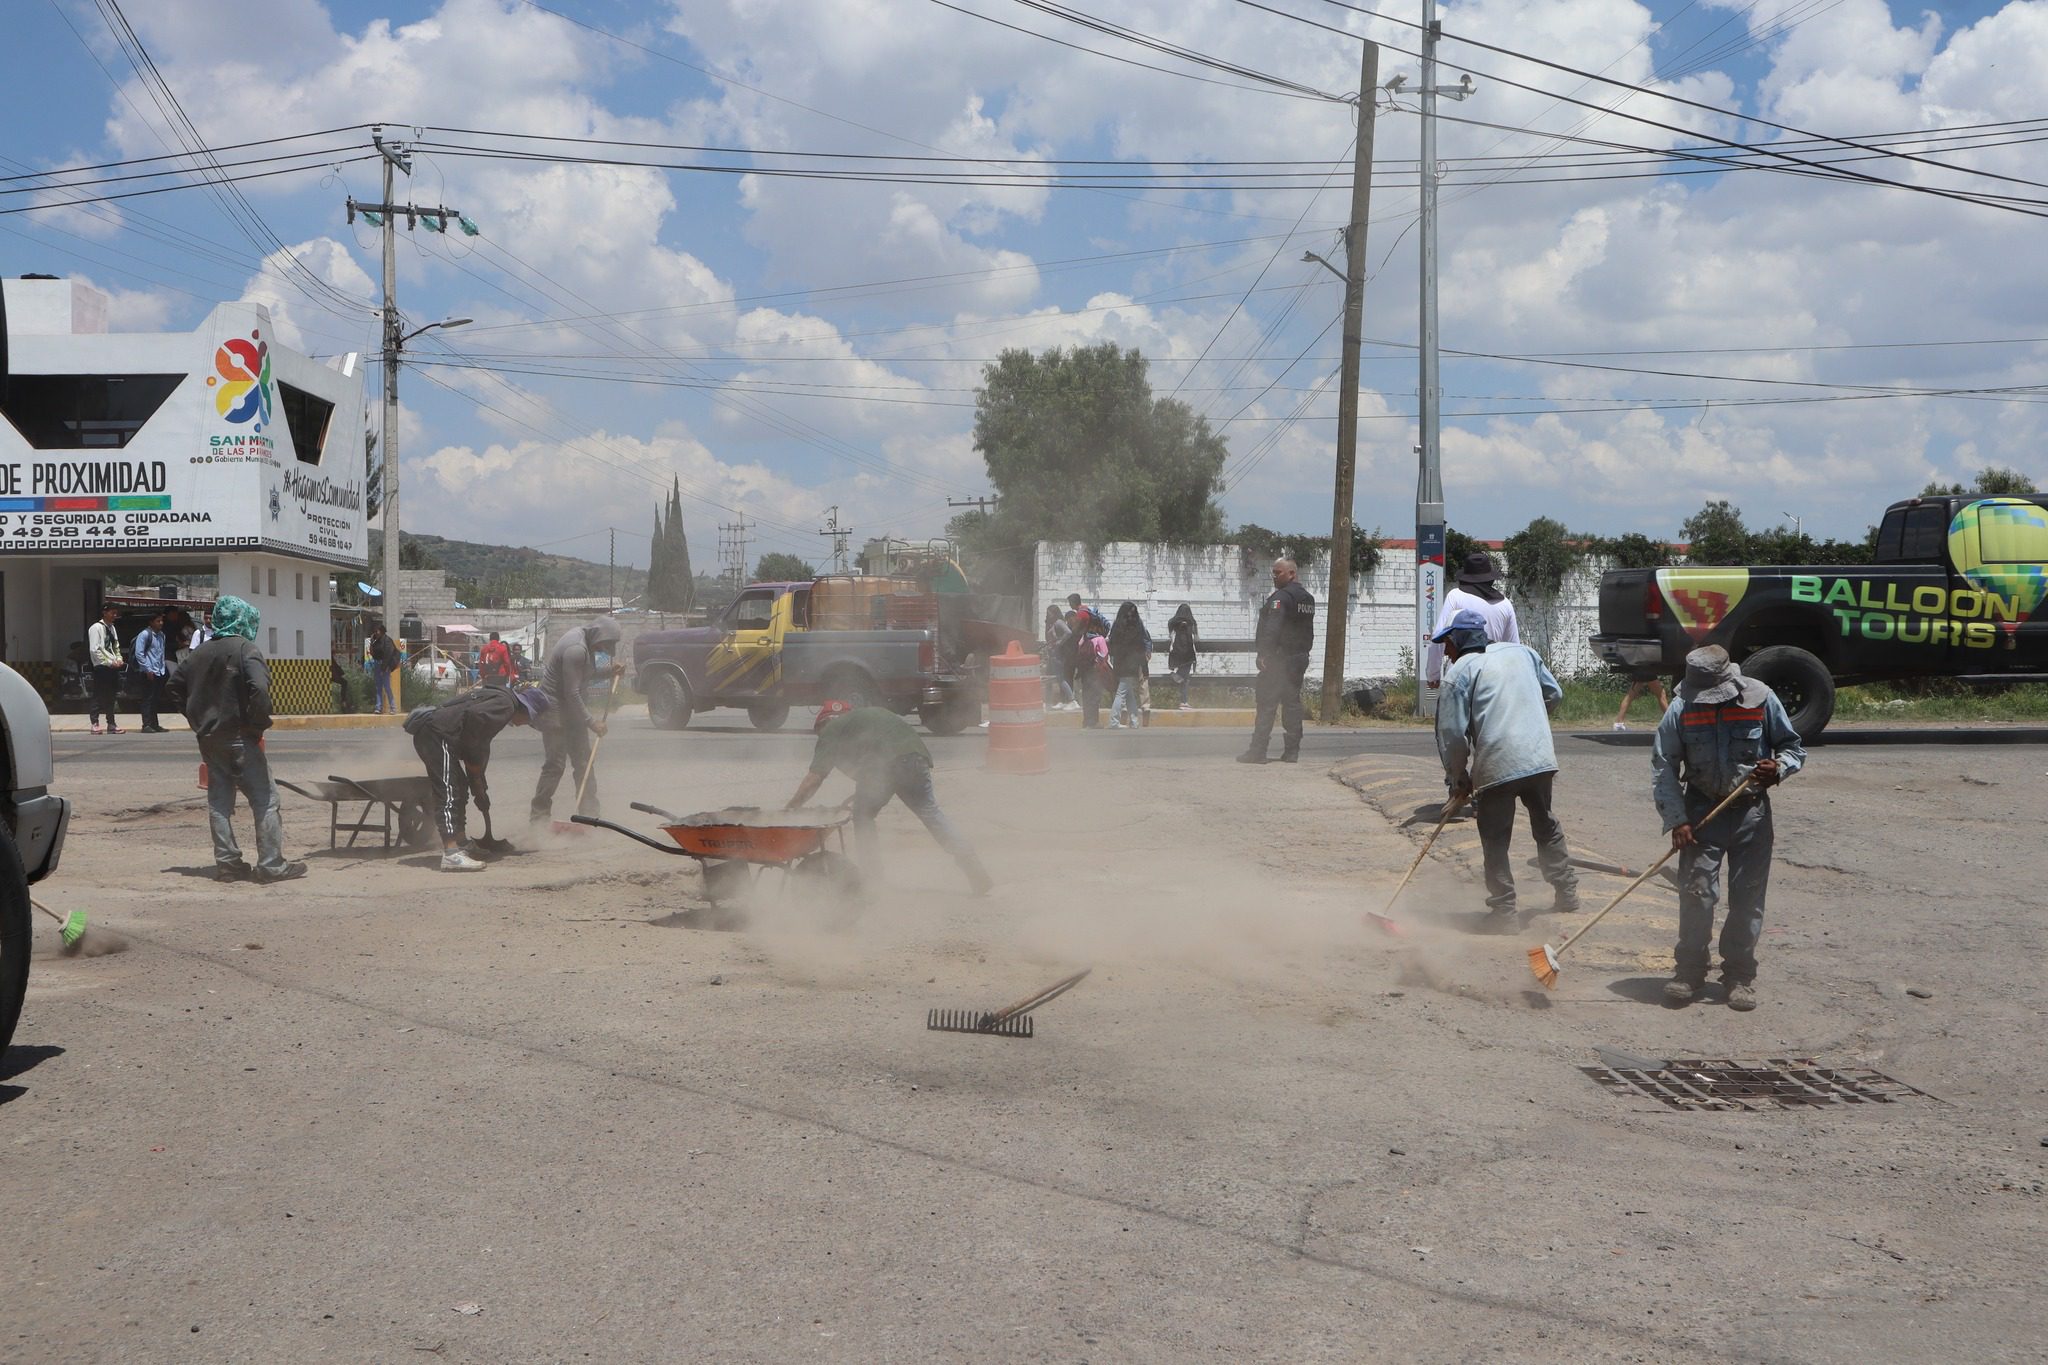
330,1120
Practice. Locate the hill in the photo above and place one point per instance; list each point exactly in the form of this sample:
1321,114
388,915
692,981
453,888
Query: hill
488,572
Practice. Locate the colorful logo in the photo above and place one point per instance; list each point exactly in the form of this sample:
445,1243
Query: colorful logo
1702,598
241,380
2001,546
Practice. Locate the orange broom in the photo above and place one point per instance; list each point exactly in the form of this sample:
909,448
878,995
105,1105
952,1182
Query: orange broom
1543,961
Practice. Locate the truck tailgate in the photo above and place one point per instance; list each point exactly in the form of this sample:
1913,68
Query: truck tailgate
1622,593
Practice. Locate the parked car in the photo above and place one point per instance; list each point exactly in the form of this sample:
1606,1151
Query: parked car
32,825
765,653
1954,590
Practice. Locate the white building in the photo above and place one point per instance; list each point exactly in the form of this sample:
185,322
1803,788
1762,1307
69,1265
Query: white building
133,457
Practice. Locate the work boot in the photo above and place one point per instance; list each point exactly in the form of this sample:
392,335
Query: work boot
1741,996
237,871
978,878
1507,921
290,872
1567,902
1252,756
455,860
1290,755
1683,989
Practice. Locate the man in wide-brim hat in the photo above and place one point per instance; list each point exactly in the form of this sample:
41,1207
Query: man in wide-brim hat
1722,731
1478,590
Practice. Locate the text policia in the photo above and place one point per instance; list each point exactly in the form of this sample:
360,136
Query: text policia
1931,614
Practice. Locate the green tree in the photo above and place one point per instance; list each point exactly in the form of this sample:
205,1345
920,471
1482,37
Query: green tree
657,554
1541,556
1456,546
672,587
777,567
1634,551
1078,448
1716,535
1992,482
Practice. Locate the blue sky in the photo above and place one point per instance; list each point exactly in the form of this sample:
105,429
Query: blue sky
1646,343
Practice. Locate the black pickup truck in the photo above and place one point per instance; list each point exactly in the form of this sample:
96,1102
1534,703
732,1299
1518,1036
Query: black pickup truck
1955,589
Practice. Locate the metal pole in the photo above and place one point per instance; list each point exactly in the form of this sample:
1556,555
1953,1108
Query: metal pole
391,605
1338,608
611,583
1429,485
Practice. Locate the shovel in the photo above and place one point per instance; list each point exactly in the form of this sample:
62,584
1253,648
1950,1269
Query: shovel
583,784
1384,919
1543,960
490,843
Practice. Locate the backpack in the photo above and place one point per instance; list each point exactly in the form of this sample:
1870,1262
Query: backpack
416,719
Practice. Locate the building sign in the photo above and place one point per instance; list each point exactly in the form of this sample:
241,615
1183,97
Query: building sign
208,469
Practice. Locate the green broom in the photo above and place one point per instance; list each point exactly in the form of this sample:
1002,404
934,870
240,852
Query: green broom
73,932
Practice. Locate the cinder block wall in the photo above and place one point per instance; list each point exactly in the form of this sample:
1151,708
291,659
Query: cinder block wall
1224,592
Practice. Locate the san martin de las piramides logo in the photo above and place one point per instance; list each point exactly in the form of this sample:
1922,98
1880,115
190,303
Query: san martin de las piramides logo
241,380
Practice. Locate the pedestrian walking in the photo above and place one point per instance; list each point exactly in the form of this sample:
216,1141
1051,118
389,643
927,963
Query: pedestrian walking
1722,730
1181,636
152,653
887,761
1058,663
1478,589
385,657
1285,633
571,663
103,648
494,664
454,740
1129,654
1636,688
1091,652
223,691
1493,735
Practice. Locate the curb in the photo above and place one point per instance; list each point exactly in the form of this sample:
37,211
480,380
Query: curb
1165,720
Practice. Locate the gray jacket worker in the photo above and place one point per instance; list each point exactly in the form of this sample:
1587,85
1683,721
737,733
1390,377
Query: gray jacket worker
1493,735
454,741
1286,632
886,760
223,690
571,664
1720,729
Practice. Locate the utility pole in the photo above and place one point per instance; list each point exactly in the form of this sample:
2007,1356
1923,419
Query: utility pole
385,215
1338,608
611,586
838,534
979,504
1429,481
732,551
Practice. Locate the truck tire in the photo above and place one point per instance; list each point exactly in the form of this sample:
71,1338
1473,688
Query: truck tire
668,700
950,717
1802,683
17,932
853,687
767,715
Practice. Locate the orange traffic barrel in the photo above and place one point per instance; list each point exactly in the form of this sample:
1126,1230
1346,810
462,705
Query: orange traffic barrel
1016,712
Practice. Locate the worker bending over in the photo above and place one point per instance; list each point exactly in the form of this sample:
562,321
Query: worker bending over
454,740
1495,715
1721,730
886,759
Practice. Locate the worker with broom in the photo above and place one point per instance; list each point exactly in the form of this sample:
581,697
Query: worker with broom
565,677
454,740
886,760
1723,734
1493,734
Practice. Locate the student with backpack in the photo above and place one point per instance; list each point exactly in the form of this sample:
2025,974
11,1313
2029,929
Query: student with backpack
1130,654
1181,633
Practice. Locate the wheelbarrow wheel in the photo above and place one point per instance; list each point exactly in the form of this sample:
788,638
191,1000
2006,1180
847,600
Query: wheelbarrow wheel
415,830
826,878
727,881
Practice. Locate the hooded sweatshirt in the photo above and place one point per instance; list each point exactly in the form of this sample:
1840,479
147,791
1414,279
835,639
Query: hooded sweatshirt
222,688
567,671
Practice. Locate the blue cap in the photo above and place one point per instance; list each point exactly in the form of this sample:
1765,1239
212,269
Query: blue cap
1467,619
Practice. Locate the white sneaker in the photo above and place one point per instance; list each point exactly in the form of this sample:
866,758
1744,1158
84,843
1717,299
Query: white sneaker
455,860
1620,725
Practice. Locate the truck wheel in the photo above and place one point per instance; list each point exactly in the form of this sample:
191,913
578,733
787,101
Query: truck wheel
950,717
17,930
1802,683
853,687
668,701
767,715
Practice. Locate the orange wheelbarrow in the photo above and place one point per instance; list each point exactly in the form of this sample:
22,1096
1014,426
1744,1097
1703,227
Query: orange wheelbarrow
736,844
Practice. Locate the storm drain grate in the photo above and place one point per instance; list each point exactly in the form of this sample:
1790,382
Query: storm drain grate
1770,1083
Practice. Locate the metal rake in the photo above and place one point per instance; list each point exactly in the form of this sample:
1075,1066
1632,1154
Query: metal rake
1012,1021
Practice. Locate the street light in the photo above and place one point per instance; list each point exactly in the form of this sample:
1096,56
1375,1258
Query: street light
391,596
1797,524
1311,256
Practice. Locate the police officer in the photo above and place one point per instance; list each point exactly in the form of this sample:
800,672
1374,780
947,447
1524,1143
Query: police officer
1287,627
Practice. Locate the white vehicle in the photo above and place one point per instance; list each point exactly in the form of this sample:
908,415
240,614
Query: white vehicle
32,824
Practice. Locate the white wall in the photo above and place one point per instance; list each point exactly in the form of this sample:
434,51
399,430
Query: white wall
1224,592
297,608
